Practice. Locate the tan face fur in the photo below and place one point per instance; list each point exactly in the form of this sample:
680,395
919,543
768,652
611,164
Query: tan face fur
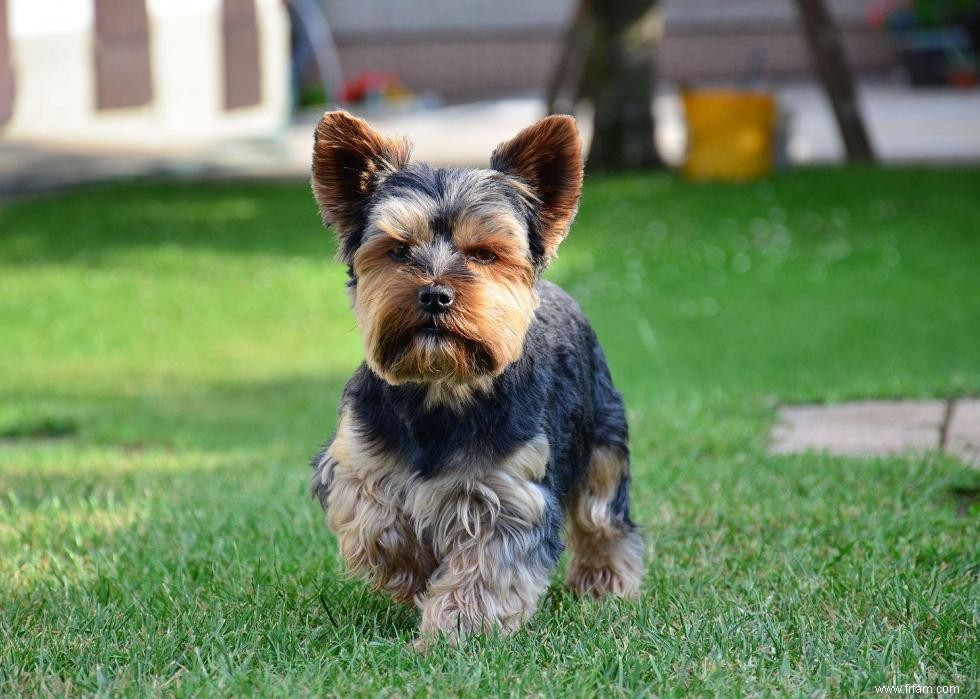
484,261
483,234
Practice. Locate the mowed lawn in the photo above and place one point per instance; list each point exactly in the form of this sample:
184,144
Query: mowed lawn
172,354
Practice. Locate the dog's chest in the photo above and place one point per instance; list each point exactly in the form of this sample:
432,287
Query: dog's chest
470,492
440,441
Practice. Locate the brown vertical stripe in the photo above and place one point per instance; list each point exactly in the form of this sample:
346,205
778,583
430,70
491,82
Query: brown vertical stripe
6,72
122,54
240,33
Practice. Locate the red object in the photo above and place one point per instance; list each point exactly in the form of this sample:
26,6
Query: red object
963,78
367,84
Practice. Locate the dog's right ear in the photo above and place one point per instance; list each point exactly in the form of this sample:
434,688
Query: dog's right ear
349,160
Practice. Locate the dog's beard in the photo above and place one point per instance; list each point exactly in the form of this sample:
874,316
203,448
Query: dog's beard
414,348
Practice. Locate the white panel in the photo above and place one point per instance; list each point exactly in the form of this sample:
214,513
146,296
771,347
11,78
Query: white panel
38,17
172,8
274,47
185,51
51,54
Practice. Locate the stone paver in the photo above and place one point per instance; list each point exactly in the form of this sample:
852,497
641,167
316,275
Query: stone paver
963,432
864,428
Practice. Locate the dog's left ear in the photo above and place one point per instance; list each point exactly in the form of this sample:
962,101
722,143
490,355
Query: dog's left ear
547,157
349,160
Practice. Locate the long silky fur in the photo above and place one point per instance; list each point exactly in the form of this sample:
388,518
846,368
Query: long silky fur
468,440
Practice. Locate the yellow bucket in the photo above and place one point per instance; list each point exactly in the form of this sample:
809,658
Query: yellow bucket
730,134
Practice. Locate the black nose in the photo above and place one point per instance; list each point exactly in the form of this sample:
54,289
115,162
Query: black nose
436,298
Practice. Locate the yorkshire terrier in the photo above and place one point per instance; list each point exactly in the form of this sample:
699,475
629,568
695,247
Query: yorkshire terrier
484,418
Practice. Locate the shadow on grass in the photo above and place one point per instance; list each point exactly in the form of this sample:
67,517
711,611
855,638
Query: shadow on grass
187,509
191,584
42,429
187,416
241,218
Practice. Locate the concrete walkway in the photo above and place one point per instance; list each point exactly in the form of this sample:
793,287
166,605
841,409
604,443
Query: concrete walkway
937,126
933,126
882,428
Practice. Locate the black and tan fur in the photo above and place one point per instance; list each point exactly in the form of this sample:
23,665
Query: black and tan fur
483,419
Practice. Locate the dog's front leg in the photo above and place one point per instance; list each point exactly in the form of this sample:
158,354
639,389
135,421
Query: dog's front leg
362,490
375,537
497,538
490,584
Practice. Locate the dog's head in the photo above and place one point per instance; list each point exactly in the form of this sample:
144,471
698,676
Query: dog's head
443,262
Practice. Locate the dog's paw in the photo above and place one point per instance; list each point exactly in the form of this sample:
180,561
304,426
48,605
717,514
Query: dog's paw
420,645
600,582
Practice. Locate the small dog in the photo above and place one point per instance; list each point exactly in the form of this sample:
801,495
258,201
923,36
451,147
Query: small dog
484,416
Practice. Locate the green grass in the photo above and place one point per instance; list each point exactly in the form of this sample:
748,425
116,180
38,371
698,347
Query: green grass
170,356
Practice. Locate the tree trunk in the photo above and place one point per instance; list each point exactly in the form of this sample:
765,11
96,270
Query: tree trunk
827,49
569,72
621,77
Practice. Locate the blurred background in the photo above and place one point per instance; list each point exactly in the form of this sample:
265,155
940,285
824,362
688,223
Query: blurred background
98,89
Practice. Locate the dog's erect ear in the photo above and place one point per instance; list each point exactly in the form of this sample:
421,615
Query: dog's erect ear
349,159
547,157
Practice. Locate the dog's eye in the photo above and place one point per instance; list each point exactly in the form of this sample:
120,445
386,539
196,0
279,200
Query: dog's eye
483,257
399,252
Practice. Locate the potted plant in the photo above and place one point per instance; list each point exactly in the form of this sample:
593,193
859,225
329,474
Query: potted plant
937,40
